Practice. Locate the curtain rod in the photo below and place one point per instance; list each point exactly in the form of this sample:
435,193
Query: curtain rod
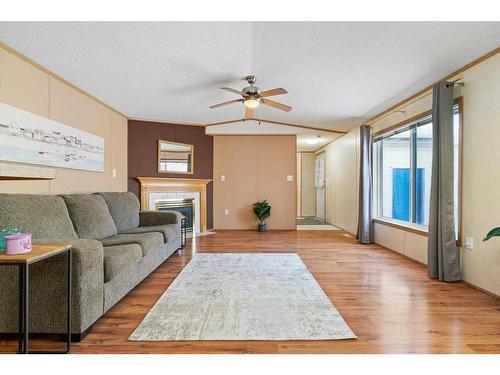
416,99
455,82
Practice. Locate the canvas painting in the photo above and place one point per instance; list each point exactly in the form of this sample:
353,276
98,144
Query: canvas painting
32,139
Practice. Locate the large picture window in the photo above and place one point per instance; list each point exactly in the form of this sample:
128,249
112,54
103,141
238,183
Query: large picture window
402,170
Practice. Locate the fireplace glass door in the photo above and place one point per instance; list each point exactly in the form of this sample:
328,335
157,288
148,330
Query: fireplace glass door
185,206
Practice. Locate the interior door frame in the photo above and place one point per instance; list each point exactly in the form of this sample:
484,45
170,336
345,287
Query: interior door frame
316,155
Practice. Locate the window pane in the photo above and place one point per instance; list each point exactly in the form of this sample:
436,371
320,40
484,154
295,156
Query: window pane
423,174
395,176
394,170
174,166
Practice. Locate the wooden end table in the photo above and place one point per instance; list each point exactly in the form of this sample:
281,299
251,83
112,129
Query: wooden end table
38,253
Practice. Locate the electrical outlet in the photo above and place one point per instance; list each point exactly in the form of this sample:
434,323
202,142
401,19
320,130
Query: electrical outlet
222,177
226,211
469,243
289,178
114,173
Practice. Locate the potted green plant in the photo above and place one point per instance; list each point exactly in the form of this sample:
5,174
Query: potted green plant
262,210
495,232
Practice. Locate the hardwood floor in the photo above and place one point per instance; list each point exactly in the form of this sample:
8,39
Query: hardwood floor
385,298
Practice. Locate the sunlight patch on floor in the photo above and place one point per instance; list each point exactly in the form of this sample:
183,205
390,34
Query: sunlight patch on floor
317,227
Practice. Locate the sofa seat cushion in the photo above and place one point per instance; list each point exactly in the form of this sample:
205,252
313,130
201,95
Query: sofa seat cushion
90,216
119,259
45,216
171,232
124,208
149,242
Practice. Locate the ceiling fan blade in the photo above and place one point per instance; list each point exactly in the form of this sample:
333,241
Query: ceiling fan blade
280,106
278,91
225,103
237,92
249,112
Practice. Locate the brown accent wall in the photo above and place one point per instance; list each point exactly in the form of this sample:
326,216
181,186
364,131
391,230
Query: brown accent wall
143,154
255,168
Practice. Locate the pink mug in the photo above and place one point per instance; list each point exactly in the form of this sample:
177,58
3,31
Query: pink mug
19,243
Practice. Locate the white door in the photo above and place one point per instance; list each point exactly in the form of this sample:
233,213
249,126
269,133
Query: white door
319,184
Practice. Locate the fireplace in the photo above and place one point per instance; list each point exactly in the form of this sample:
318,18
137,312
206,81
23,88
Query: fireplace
183,205
157,189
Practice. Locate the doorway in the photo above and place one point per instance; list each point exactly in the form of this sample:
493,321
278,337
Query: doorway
319,185
311,192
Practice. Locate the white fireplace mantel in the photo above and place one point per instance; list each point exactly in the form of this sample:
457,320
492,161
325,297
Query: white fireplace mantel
158,184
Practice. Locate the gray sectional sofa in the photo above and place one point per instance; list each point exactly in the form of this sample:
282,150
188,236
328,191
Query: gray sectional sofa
115,246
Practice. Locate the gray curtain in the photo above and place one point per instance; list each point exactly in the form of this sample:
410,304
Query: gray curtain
365,217
443,253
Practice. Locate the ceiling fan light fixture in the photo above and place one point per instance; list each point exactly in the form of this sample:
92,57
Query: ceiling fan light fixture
252,97
251,103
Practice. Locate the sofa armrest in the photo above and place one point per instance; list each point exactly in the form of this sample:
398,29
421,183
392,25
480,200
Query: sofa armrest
87,285
48,301
151,218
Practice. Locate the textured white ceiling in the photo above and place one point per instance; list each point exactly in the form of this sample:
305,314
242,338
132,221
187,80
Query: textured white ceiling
337,73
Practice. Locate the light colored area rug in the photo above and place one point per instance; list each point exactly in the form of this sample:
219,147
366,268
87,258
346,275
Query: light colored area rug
230,296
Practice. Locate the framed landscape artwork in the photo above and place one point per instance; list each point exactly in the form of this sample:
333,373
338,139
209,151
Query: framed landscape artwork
32,139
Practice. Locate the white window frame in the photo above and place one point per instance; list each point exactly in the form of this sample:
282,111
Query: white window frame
412,124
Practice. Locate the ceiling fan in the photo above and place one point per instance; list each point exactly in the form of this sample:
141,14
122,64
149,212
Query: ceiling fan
252,97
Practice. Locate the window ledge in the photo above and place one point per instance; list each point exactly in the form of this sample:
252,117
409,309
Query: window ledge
420,230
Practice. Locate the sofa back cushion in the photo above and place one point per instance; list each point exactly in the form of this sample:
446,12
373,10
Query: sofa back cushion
90,216
46,216
124,208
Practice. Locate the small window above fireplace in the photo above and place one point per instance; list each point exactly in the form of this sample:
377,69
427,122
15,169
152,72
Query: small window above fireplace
173,157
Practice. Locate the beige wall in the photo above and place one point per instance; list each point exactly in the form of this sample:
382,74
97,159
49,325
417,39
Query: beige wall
306,183
404,242
255,168
342,174
34,89
481,175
